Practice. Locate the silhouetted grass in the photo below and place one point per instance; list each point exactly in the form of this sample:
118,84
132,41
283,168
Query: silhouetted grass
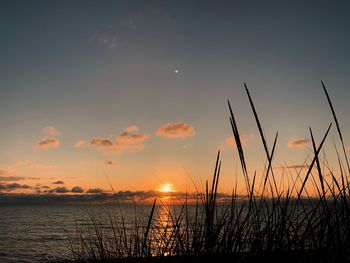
271,223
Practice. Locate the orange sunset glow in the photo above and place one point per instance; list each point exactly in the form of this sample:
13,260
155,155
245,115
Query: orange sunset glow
137,131
166,188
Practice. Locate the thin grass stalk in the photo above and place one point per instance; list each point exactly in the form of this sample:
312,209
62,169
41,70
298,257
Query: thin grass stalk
337,124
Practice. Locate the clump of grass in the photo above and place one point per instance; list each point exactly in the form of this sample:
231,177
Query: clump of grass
269,223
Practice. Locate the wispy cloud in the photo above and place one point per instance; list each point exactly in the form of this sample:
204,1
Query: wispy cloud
77,189
293,167
11,178
60,196
62,190
127,138
132,128
231,143
95,191
48,140
298,143
108,40
101,142
50,131
59,190
126,141
48,143
13,186
176,130
33,165
80,143
58,182
187,146
2,172
110,162
106,36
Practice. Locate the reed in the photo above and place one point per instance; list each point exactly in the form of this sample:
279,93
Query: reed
271,223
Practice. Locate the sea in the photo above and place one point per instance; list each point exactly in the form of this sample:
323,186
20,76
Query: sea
42,233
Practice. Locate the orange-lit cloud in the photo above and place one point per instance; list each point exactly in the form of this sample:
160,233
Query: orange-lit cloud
176,130
58,182
132,128
11,178
31,164
231,143
293,167
13,186
49,140
50,131
4,172
80,143
77,189
110,162
128,144
127,138
101,142
48,143
187,146
126,141
298,143
95,191
59,190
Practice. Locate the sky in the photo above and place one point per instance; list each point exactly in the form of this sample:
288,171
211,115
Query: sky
134,93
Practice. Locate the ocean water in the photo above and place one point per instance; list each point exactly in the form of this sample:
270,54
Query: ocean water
38,233
41,233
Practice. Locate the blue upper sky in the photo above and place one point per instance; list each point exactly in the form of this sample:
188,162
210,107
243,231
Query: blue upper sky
90,69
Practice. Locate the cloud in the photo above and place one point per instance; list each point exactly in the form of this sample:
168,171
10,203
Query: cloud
11,178
47,197
58,182
95,191
50,131
49,140
101,142
176,130
3,172
77,189
13,186
126,141
127,138
132,128
293,167
59,190
80,143
187,146
231,143
110,162
48,143
298,143
33,165
108,40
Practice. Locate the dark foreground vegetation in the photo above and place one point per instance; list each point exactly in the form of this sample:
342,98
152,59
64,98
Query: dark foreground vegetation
307,221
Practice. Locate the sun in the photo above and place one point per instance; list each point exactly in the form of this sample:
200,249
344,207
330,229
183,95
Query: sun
166,188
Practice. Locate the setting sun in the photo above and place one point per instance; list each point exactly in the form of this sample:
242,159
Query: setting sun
166,188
